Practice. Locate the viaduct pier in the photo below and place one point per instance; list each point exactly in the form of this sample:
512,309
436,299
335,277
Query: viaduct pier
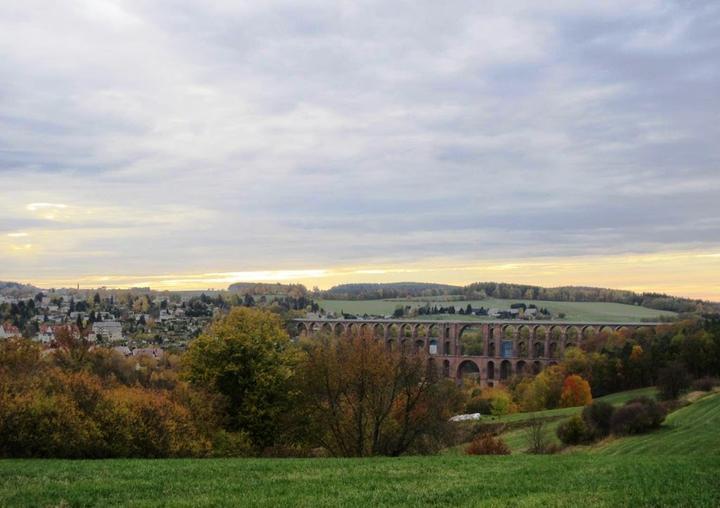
491,351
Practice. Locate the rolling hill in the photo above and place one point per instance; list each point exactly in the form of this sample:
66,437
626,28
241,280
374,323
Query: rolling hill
573,311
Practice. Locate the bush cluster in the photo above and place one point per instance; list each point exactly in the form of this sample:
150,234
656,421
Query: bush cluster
637,416
574,431
672,380
705,384
597,417
59,405
600,419
479,405
487,444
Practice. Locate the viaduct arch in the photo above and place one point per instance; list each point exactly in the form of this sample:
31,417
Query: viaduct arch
491,351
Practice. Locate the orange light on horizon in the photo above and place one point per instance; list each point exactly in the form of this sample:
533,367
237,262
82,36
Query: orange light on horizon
688,274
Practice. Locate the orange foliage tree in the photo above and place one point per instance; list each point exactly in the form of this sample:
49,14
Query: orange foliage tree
72,403
575,392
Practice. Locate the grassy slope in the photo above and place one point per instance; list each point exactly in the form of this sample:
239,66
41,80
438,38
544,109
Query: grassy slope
517,440
678,466
575,311
468,481
614,398
694,429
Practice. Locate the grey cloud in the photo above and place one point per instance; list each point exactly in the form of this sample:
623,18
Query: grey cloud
324,132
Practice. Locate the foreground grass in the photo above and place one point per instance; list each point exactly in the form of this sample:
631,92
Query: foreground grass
522,480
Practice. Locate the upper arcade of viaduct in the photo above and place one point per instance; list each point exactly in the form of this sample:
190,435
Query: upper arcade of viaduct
489,350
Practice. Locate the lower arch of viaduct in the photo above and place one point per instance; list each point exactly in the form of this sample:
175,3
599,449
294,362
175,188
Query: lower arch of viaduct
492,351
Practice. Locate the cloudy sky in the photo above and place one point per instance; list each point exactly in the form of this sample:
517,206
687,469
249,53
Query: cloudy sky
195,143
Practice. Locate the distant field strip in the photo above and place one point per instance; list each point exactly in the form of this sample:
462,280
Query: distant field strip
574,311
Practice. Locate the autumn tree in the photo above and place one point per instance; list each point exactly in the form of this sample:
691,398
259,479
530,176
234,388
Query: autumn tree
246,357
363,400
544,391
575,392
72,350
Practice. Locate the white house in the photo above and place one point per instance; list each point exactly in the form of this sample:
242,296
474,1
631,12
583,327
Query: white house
110,330
9,331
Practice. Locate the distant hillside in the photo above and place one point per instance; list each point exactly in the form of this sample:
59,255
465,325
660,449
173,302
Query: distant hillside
262,288
16,288
656,301
501,290
388,290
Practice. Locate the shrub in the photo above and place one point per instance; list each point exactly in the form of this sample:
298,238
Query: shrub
231,444
537,436
573,431
502,406
705,384
144,423
479,405
496,401
637,416
35,424
487,445
597,417
500,401
672,380
494,429
575,392
51,408
673,405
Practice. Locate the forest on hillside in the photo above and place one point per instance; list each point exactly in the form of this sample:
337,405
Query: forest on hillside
480,290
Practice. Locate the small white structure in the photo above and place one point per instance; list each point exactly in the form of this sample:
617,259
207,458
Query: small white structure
110,330
153,352
9,331
123,350
465,418
46,335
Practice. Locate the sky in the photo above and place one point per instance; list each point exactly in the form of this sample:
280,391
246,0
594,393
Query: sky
191,144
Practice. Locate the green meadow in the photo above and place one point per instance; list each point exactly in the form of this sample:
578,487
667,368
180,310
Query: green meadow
574,311
679,465
567,480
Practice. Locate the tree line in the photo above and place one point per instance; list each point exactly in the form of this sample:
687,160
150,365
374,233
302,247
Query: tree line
244,388
509,291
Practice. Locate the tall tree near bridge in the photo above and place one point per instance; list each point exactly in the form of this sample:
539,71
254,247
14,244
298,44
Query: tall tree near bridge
247,358
364,400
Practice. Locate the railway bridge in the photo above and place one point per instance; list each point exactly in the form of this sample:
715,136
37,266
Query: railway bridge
491,351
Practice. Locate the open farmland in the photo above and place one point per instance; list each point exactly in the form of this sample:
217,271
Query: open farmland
574,311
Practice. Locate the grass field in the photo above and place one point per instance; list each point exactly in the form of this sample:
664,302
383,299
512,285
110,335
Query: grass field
574,311
676,466
694,429
522,480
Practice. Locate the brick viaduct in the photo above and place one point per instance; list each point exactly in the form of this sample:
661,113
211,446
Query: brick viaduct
492,351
